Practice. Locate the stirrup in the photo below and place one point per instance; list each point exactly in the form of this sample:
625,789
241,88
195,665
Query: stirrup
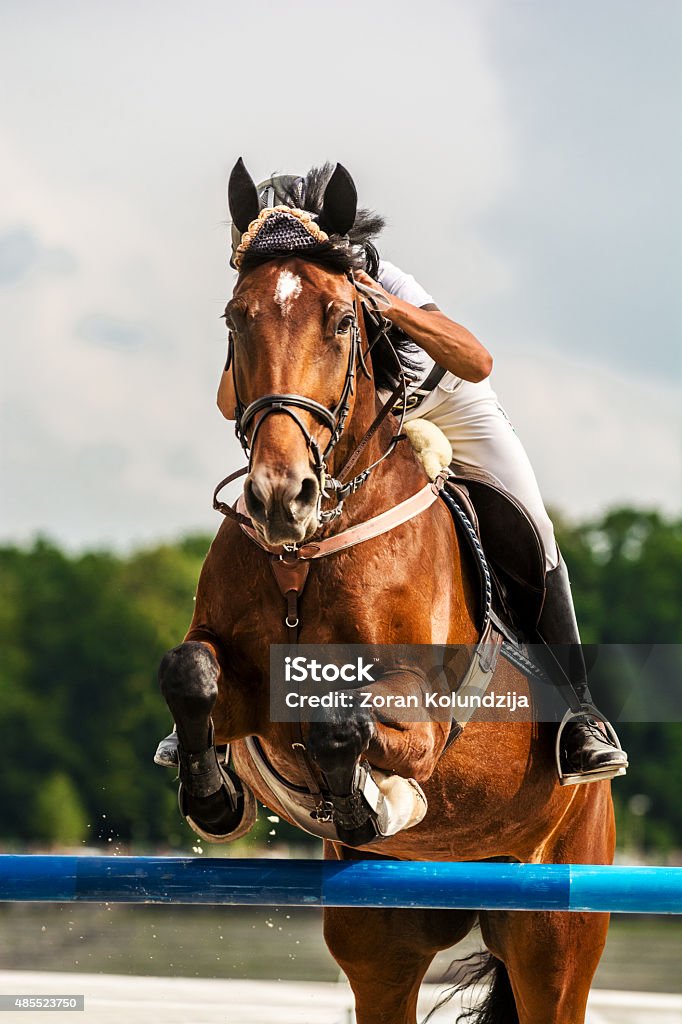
599,774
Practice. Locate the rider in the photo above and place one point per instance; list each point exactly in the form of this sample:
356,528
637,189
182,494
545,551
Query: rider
453,390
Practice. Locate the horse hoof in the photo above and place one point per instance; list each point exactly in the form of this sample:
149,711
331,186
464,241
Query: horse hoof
361,836
234,825
400,804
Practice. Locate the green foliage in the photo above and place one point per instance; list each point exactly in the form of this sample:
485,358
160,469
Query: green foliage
58,814
626,573
81,712
82,638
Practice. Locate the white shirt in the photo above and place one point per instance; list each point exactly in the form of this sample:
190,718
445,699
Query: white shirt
404,286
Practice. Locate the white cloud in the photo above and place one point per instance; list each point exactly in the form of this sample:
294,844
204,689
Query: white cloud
596,437
116,157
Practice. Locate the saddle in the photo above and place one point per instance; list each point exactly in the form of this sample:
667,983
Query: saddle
505,541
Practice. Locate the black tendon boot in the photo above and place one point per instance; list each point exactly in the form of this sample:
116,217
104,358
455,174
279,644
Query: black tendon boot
587,744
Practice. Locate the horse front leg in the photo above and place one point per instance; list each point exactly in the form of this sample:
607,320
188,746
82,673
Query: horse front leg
335,746
217,806
366,802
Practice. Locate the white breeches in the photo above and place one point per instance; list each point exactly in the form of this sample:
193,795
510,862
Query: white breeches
482,436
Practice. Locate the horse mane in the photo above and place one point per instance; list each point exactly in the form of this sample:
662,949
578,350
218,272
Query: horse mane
366,227
340,254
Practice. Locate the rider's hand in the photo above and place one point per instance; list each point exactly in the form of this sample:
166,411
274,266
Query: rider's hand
383,299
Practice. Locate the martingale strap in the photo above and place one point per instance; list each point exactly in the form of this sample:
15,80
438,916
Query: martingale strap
291,575
374,527
290,567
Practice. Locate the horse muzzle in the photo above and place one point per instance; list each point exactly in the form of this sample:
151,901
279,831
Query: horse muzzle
283,508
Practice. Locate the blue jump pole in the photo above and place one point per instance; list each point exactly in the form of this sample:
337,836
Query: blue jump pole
439,885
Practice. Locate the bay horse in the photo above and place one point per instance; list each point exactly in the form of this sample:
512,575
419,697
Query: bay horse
309,397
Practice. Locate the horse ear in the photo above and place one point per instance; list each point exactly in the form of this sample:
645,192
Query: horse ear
242,197
340,203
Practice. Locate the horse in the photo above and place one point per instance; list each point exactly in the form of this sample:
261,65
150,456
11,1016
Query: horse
311,401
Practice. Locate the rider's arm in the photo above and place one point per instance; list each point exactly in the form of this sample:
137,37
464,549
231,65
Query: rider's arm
452,346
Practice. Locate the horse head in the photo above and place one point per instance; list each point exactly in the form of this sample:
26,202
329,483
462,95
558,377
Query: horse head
293,320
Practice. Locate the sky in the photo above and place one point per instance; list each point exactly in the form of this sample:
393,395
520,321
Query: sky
525,154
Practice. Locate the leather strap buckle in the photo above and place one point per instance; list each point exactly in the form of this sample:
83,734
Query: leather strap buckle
411,402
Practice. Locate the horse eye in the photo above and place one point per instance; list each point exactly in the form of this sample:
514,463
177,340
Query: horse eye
345,325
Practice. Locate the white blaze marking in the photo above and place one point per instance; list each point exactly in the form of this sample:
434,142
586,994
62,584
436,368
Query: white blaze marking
288,288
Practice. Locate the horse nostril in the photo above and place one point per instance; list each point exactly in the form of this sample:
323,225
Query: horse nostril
280,503
308,492
256,489
255,500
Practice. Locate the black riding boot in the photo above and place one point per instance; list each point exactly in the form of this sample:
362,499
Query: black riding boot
588,751
167,751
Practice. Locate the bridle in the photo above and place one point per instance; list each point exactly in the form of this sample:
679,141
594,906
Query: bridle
291,564
330,488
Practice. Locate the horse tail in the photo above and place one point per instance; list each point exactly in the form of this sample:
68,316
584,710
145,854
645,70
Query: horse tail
498,1006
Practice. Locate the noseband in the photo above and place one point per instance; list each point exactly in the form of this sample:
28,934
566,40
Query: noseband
333,419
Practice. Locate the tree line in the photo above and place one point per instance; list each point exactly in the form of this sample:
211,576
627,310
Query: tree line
81,711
